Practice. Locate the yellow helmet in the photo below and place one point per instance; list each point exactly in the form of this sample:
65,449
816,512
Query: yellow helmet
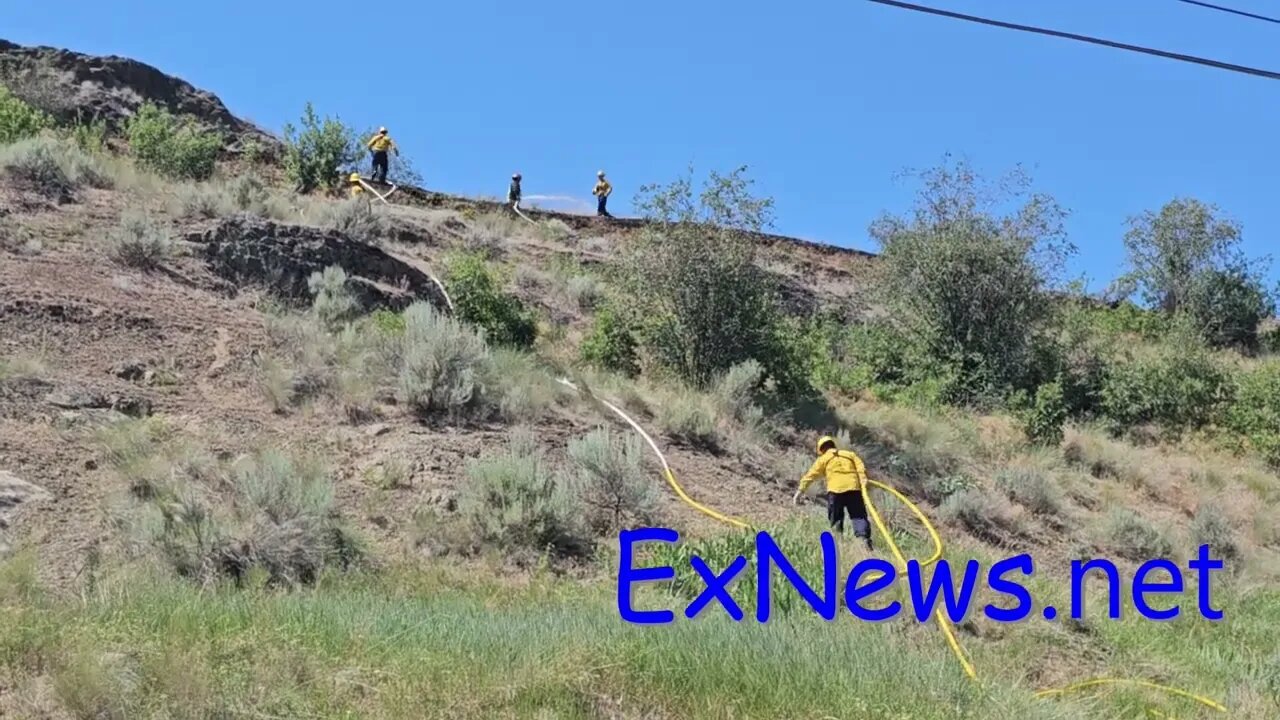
354,177
824,441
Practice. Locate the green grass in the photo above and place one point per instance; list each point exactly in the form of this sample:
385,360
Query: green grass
433,644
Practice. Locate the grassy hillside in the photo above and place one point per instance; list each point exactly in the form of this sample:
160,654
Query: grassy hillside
254,464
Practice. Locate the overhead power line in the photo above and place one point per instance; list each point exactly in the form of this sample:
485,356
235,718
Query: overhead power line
1233,11
1270,75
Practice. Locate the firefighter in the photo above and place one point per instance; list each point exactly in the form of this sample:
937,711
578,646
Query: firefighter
379,145
602,191
356,189
513,192
846,481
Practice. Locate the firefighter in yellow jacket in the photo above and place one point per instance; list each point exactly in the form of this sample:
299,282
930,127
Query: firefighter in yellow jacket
379,145
846,481
602,191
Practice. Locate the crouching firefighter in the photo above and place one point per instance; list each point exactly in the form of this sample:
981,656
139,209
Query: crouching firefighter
846,481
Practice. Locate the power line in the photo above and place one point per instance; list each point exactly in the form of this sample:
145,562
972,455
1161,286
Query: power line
1270,75
1233,11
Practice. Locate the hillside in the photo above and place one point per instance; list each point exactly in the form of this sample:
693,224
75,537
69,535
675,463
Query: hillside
237,483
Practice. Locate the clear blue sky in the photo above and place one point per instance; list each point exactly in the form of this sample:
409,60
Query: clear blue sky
825,101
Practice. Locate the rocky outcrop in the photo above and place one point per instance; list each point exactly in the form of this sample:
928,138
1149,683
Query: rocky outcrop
14,491
251,251
66,84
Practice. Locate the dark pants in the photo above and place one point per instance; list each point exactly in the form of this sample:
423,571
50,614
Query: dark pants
600,209
380,165
840,503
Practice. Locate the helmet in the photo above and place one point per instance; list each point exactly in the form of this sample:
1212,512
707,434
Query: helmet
382,130
515,176
824,441
600,174
354,177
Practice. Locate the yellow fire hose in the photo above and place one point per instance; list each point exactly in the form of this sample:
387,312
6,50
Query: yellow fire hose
944,623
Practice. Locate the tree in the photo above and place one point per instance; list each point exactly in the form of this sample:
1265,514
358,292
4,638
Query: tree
968,283
1186,260
1169,249
704,304
316,154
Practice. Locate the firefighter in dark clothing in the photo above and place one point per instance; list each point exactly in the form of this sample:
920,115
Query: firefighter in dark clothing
379,144
846,479
513,192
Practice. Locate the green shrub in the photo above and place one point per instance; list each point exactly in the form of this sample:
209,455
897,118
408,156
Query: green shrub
387,321
585,291
1179,388
513,499
90,136
1254,412
139,241
1044,419
441,361
51,167
1132,537
1210,527
516,386
479,300
354,218
333,303
18,120
689,417
611,345
172,147
315,155
1229,303
971,286
611,481
692,277
1031,489
988,516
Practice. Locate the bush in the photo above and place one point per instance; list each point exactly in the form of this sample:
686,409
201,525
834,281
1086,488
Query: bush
516,386
1210,527
1228,305
1179,388
333,304
18,120
611,345
139,241
688,417
693,278
989,517
51,167
440,362
514,500
354,218
1254,413
172,147
611,481
585,291
977,282
1044,419
1031,489
1135,538
91,136
315,155
479,300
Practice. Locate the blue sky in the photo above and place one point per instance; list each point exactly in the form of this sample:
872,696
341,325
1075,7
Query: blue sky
824,101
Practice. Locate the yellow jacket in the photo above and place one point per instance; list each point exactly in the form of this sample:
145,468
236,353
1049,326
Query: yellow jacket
380,143
356,191
603,188
843,469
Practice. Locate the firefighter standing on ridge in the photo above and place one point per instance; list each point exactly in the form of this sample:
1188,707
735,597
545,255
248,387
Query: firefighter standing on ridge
513,193
846,480
379,144
601,191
